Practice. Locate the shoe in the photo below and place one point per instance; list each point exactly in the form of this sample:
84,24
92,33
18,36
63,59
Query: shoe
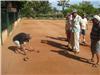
84,43
76,52
91,61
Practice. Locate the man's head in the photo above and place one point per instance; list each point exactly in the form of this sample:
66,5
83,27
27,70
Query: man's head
69,15
74,13
28,36
96,19
83,16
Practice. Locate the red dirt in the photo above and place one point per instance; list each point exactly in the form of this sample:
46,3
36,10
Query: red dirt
49,57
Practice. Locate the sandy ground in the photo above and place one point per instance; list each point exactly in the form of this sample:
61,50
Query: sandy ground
48,57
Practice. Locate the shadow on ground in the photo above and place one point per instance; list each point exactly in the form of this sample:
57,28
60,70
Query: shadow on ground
16,50
56,44
65,51
72,56
57,38
13,48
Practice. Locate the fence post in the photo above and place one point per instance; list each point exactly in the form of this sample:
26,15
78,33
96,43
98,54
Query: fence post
0,30
8,23
1,41
14,16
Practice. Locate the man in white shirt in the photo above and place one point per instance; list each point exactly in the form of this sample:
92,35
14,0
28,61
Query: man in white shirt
76,23
84,27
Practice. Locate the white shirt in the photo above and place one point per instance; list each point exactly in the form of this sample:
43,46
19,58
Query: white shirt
84,23
76,24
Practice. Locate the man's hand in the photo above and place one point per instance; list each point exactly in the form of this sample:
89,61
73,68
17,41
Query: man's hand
28,47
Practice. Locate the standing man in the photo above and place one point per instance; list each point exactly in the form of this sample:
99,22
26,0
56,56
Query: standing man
68,28
76,23
95,39
84,28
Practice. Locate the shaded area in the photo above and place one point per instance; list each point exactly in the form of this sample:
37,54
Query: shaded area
57,38
13,48
85,44
64,49
67,54
16,50
56,44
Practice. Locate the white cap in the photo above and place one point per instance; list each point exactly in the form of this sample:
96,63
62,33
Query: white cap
97,17
74,11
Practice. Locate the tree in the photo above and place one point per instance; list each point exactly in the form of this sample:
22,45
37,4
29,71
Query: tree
84,7
63,3
87,7
34,8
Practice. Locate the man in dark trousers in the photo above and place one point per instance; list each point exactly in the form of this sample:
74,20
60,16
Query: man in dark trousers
95,39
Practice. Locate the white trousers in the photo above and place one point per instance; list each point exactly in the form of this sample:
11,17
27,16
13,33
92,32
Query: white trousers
17,43
75,41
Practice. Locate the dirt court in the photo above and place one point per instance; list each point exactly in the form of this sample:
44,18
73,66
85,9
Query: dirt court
48,57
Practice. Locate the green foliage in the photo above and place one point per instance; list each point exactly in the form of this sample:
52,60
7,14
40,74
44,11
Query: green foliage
50,16
84,7
35,8
63,3
26,10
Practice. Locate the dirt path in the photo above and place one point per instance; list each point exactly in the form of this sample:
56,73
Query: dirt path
48,57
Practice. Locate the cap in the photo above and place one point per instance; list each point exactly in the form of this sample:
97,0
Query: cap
74,11
97,17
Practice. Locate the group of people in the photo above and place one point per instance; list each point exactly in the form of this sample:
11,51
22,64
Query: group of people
76,27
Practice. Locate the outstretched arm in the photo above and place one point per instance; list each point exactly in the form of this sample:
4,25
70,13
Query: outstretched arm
29,47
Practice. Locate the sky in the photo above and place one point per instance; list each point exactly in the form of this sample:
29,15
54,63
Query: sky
95,3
